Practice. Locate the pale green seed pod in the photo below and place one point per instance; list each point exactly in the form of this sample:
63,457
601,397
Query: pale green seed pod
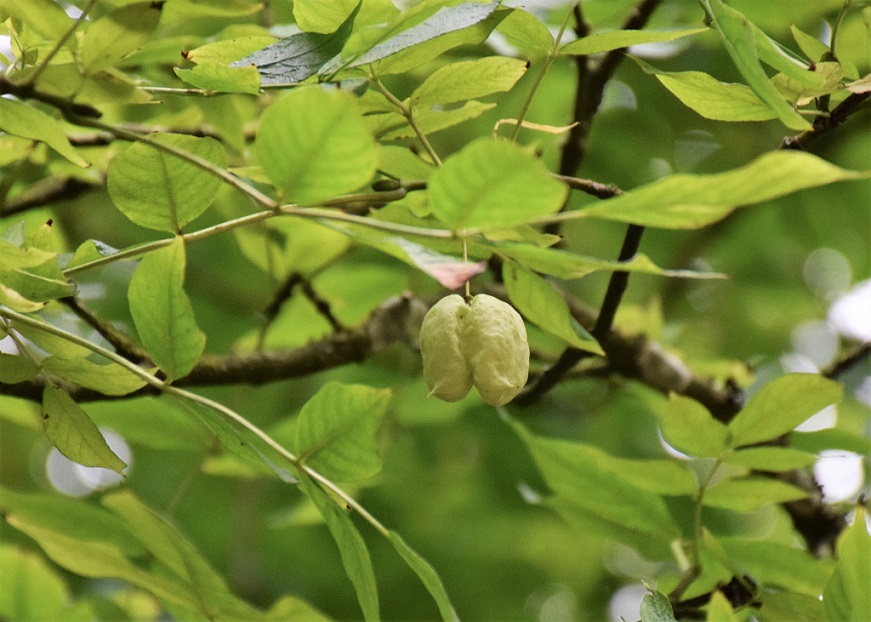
493,342
444,368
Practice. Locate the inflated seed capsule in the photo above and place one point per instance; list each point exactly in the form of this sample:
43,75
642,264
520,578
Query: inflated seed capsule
494,344
444,368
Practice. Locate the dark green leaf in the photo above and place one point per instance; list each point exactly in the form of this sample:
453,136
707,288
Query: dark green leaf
297,57
162,312
74,434
781,405
336,431
446,20
159,190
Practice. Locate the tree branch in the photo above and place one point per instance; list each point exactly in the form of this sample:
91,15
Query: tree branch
45,192
854,103
396,320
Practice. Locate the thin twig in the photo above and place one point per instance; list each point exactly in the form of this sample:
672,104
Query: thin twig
43,64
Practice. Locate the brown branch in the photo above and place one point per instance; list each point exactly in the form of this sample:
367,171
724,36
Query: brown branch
45,192
853,104
397,319
28,91
845,364
123,344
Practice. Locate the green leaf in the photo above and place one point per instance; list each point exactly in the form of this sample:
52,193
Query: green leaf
322,17
775,459
90,250
493,184
655,607
74,434
413,57
445,20
355,555
427,575
711,98
67,515
33,590
15,301
314,145
393,125
162,312
180,557
751,493
297,57
24,120
13,257
45,16
113,36
109,379
54,344
831,438
813,48
689,427
719,609
335,434
526,31
542,305
466,80
255,454
15,369
222,79
606,41
590,488
740,40
691,201
847,596
162,191
781,405
773,563
567,265
100,559
228,50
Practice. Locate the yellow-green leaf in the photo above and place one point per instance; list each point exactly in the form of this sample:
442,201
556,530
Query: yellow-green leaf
74,434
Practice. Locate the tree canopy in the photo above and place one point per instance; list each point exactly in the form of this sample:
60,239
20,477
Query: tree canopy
222,223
